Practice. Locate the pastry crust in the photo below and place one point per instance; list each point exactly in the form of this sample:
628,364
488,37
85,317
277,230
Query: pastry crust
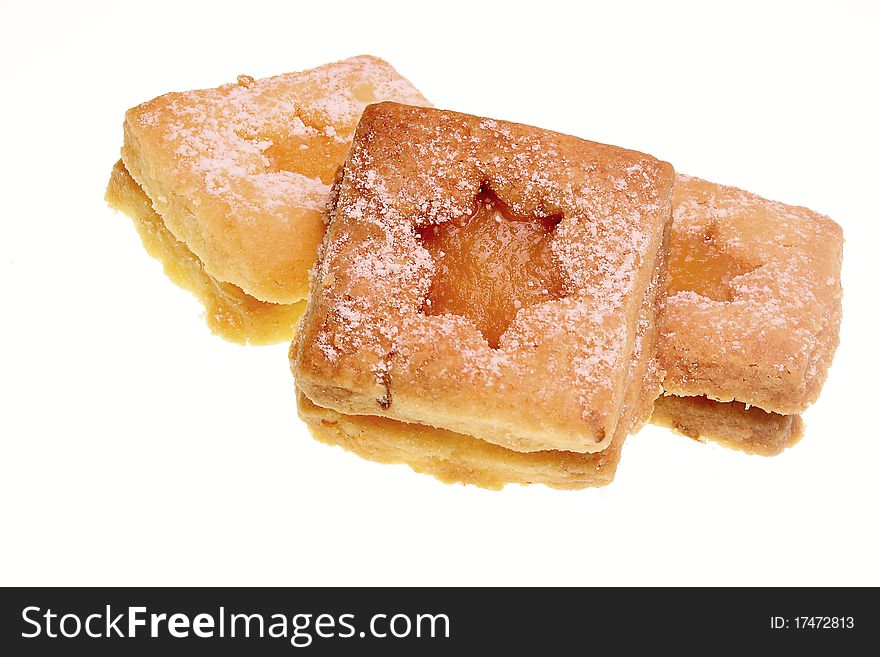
457,458
560,376
453,457
241,173
731,424
763,327
229,312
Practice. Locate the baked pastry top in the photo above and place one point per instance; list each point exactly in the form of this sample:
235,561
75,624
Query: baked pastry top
241,173
754,303
557,377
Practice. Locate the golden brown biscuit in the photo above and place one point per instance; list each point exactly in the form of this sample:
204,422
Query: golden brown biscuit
373,342
457,458
240,174
753,316
754,298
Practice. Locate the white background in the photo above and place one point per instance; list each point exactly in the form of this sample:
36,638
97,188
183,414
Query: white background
137,448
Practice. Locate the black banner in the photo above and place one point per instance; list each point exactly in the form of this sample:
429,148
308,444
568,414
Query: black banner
120,621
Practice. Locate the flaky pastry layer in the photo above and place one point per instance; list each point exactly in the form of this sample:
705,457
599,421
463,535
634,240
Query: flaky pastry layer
229,312
731,424
453,457
559,377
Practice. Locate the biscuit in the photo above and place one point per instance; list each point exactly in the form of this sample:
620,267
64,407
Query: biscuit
753,313
456,458
380,339
754,303
240,174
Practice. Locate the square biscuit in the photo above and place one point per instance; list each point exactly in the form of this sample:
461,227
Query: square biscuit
754,305
457,458
240,174
560,374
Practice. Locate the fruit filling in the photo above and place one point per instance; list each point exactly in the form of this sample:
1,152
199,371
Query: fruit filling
312,155
490,264
698,264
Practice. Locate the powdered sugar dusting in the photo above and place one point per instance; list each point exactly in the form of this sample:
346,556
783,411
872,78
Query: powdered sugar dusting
222,138
410,168
771,343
